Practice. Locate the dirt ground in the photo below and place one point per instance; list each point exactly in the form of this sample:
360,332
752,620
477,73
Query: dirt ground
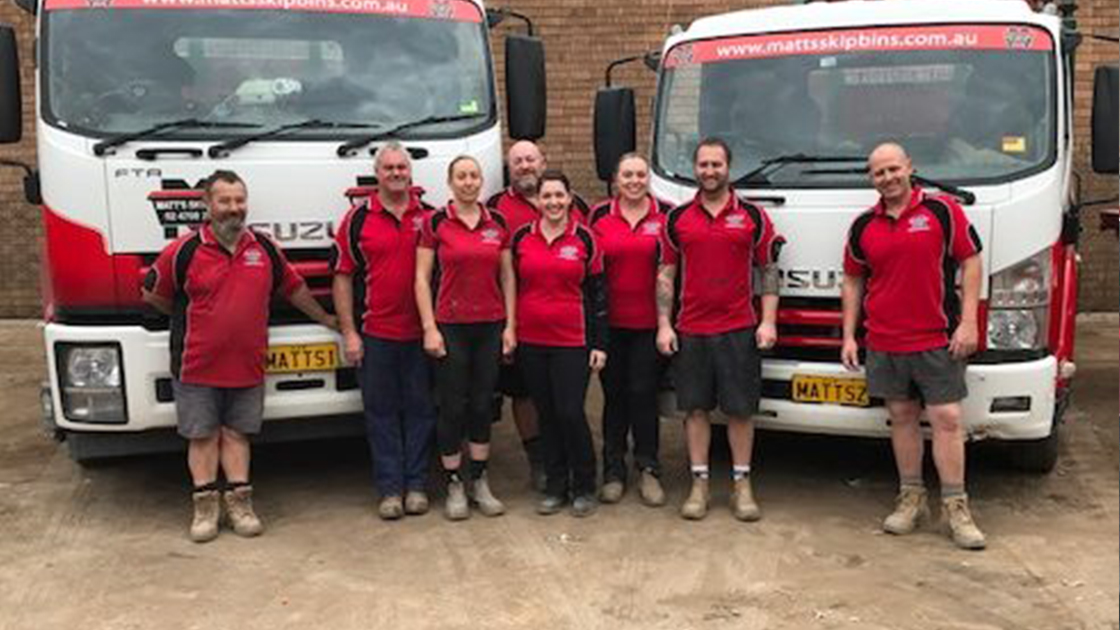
106,547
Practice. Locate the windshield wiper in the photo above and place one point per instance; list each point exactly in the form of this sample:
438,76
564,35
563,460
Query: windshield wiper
967,197
102,147
761,175
223,149
350,147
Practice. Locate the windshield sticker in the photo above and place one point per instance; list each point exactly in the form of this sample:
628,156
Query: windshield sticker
987,37
468,107
1014,144
451,10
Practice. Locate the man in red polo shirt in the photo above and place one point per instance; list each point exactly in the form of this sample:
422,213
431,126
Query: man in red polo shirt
717,239
900,266
518,204
375,273
216,284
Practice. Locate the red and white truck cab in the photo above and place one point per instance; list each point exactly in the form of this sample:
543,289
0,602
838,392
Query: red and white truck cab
980,92
138,100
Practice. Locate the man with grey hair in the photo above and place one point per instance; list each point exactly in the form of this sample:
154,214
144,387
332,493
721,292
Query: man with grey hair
218,282
375,269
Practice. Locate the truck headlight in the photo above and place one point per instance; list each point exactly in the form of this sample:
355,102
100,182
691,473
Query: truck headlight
90,383
1019,306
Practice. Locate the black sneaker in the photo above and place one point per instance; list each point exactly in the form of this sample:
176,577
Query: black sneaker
550,504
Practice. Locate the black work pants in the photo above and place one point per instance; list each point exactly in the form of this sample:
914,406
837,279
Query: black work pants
465,382
557,379
630,382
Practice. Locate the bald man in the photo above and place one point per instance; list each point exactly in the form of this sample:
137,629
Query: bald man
904,253
518,205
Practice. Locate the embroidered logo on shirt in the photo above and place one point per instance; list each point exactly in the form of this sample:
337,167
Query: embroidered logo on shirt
254,258
651,229
491,236
417,222
568,252
919,223
736,222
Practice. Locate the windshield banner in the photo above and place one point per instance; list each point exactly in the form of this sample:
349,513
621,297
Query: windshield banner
911,38
453,10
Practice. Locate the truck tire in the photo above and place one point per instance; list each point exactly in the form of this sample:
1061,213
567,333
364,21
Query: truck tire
1040,456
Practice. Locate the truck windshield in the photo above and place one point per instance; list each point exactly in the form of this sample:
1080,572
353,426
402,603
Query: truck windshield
972,104
122,65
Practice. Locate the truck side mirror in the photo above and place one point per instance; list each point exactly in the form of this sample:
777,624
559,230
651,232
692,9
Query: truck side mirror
615,128
526,98
11,99
1106,120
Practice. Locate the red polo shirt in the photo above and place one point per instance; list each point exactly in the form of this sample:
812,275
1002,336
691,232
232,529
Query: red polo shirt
909,265
551,287
715,257
379,252
219,321
630,257
520,212
469,265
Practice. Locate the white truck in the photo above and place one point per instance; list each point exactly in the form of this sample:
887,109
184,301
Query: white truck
980,92
138,100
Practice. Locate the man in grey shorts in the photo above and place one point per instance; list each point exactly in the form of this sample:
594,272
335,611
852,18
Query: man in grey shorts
903,255
216,284
717,239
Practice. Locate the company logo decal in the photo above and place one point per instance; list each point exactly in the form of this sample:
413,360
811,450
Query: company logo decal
568,252
919,223
178,204
1019,38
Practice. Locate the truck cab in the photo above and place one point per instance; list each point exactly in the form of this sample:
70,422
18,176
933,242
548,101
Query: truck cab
979,92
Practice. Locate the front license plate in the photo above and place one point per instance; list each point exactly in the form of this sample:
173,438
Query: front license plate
307,357
830,390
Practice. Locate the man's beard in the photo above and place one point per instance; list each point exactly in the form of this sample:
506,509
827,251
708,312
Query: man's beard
227,230
527,185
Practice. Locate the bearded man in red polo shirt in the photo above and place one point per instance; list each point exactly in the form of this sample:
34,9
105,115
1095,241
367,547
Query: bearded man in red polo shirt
900,266
717,239
216,283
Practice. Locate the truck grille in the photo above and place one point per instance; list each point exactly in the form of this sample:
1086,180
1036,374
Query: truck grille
809,329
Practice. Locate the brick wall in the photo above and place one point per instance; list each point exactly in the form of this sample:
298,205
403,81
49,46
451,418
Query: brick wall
581,37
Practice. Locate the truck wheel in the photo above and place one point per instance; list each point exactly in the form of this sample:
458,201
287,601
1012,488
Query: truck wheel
1039,456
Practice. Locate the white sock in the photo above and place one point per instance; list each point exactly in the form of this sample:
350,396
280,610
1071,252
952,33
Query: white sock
700,471
739,472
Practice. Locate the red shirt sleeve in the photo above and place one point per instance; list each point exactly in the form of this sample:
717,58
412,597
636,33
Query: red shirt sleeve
667,249
161,277
290,280
342,259
428,238
853,266
966,242
769,244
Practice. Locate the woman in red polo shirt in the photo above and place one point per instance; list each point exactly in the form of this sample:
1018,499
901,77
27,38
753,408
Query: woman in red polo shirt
562,337
469,327
628,228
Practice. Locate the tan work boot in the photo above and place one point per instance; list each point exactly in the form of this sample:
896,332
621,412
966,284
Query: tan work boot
239,510
456,508
390,508
415,503
650,490
696,506
207,509
743,506
909,509
612,491
963,529
487,503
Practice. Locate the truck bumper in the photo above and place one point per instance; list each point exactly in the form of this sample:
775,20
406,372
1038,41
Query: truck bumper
1032,380
145,363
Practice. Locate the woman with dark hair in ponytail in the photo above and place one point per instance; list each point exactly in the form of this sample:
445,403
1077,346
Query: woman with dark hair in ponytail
562,338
